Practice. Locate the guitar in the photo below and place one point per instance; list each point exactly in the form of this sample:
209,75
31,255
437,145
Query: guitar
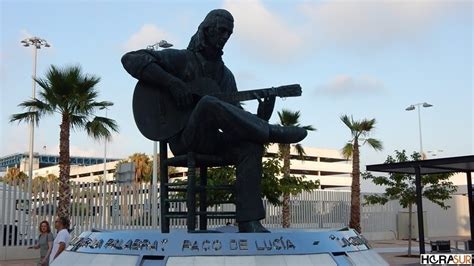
158,117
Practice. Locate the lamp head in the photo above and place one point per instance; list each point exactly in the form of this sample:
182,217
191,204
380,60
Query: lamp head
410,108
164,44
427,104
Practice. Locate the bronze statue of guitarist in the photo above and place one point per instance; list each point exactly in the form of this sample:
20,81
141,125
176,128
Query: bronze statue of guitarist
167,106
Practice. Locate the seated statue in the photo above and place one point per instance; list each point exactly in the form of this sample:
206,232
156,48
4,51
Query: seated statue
205,123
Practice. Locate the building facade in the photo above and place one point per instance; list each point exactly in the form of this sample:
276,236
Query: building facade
21,161
326,165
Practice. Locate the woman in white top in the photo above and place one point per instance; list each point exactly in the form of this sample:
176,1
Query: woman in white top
62,238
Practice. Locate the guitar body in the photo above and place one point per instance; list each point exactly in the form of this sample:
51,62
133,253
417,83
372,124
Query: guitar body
156,114
155,111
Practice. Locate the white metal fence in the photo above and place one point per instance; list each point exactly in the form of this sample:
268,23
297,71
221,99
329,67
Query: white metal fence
127,206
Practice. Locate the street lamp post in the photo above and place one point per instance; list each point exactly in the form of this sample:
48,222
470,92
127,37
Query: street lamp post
154,188
36,43
413,107
104,182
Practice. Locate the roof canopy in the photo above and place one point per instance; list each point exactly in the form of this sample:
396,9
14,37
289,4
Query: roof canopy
433,166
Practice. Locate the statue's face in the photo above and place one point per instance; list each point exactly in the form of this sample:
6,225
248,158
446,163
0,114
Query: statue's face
217,36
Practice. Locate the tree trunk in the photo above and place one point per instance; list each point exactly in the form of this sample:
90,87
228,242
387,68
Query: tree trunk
286,210
64,168
355,189
285,154
410,208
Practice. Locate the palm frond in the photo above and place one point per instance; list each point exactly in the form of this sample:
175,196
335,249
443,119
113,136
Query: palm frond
36,109
347,121
101,127
375,144
78,121
367,125
27,117
37,105
50,98
299,150
309,128
88,82
347,150
102,104
289,118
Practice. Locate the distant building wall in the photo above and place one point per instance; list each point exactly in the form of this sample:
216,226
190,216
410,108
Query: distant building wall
21,160
91,173
451,222
326,165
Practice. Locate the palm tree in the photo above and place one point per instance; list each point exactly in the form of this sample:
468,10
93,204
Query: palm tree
359,132
143,167
15,176
289,118
71,94
43,183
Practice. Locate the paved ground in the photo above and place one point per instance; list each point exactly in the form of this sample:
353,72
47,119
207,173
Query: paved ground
18,263
393,250
390,250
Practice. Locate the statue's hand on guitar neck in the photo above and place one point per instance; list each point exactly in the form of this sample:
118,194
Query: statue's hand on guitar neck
265,106
181,93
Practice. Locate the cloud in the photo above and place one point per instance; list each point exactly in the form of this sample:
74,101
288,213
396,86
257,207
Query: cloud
309,26
373,23
343,85
148,34
262,32
245,78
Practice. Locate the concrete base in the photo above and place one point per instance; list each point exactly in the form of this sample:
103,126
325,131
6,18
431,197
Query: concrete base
357,258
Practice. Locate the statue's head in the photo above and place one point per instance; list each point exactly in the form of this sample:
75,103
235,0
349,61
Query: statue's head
213,32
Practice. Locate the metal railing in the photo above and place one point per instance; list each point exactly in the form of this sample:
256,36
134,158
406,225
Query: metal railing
127,206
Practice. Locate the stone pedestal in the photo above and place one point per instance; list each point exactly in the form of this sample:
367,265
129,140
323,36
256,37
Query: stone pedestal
280,247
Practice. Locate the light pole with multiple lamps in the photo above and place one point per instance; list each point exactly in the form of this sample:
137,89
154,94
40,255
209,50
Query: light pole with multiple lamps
36,43
418,106
154,189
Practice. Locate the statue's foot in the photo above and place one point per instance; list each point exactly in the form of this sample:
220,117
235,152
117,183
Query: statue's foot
286,134
252,227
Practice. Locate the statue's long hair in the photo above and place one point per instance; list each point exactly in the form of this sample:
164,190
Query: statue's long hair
198,41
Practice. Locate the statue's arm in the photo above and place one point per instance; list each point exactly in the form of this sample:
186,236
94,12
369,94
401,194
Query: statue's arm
156,68
145,66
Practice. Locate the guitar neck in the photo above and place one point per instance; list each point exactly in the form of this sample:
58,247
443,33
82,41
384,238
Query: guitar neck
292,90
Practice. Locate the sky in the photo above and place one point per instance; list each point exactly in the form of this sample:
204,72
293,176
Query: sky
368,59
